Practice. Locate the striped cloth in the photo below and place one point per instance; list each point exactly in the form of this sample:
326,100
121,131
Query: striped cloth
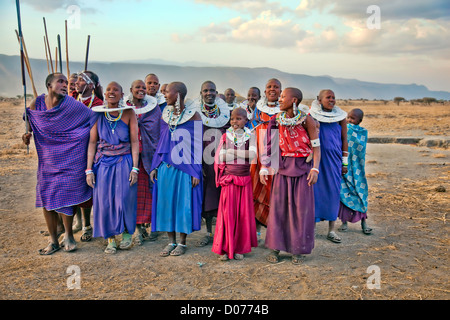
61,136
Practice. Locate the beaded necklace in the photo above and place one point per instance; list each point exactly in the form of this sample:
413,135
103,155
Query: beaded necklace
283,120
172,125
92,99
113,121
239,138
211,113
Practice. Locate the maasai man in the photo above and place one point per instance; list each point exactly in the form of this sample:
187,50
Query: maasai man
292,137
152,84
253,96
61,133
72,80
230,99
112,169
89,92
177,171
354,188
235,232
148,115
265,109
334,159
215,116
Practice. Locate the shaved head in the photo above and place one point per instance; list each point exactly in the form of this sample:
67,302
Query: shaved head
296,93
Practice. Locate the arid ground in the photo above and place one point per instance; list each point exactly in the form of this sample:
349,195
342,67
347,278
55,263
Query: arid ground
408,206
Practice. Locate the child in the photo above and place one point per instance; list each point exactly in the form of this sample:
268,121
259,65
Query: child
333,148
290,226
235,232
112,169
354,189
178,183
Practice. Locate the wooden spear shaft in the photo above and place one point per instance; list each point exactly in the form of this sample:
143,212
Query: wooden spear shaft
87,53
67,52
22,62
27,62
48,46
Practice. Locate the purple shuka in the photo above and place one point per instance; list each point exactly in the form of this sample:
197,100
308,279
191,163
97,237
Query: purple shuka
115,201
61,135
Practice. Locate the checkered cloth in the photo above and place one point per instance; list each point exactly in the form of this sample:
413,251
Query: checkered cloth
61,135
354,189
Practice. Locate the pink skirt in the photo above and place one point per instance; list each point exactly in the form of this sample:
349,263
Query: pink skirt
235,226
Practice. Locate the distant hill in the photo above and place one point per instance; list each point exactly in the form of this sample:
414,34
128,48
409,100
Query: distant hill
240,79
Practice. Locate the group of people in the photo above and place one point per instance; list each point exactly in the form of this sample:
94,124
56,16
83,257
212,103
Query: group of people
151,157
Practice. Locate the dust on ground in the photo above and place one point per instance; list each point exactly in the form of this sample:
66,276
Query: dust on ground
408,207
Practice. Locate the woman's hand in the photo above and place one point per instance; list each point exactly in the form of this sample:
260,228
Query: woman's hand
195,182
90,180
153,175
133,177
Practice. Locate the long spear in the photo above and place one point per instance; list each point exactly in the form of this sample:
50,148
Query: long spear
23,68
48,46
27,62
87,53
67,52
46,55
59,52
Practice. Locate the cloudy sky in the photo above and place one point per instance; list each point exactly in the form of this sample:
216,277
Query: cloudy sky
388,41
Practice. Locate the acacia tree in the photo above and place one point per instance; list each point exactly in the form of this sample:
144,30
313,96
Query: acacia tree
397,100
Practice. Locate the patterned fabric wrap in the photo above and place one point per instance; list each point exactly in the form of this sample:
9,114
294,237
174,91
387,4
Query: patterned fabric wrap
294,142
354,189
61,135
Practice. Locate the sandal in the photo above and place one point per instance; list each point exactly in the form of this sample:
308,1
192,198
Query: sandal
298,258
87,234
273,256
139,239
168,249
179,250
153,236
367,230
205,240
224,257
111,248
50,249
127,241
343,227
238,256
333,237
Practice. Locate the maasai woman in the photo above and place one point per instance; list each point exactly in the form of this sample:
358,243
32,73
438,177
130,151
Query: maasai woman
61,128
148,117
88,91
230,99
235,232
152,86
354,188
215,116
112,169
253,96
177,171
290,224
334,161
265,109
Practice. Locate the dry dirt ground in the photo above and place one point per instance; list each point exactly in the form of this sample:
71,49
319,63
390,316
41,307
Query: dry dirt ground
408,249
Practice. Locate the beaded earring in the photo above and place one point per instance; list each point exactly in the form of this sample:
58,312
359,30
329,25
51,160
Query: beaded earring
294,107
177,104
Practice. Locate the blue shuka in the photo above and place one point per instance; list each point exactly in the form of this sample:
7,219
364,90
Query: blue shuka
354,189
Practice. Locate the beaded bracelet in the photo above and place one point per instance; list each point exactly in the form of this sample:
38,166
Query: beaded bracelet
316,170
134,169
345,161
89,171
